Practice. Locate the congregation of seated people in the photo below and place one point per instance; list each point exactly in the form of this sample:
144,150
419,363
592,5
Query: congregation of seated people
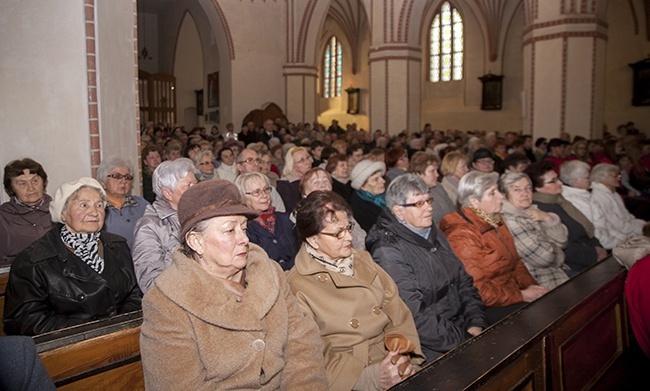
437,234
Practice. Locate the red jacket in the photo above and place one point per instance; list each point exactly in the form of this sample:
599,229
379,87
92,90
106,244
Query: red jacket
489,256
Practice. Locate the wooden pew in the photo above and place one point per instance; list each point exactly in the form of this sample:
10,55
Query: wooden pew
102,355
567,340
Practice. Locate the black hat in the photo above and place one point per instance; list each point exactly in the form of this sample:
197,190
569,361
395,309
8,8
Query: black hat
482,153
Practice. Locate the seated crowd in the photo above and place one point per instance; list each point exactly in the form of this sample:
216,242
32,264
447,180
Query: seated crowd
352,258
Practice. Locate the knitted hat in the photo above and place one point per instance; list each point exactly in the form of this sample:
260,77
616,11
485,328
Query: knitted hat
208,199
364,170
65,191
482,153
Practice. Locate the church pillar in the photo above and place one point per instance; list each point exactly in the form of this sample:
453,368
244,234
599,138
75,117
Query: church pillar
300,87
564,47
395,88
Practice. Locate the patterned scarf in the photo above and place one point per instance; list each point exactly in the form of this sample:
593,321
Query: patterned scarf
267,219
494,219
343,266
85,246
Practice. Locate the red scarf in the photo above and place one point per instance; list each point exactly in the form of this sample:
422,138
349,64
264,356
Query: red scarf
267,219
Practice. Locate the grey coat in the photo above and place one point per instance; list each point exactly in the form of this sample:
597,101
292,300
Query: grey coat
154,240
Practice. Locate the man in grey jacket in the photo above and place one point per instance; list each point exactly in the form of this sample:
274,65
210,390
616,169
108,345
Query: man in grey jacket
156,233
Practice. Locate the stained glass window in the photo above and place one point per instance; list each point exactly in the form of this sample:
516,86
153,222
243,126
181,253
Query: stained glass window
332,68
446,45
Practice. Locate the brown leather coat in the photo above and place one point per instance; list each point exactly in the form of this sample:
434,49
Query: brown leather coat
490,256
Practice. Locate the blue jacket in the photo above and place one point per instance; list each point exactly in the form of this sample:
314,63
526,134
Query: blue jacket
280,247
122,222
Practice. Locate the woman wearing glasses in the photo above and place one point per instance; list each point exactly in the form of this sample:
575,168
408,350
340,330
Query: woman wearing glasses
204,161
613,223
271,230
482,241
432,281
123,210
354,302
582,249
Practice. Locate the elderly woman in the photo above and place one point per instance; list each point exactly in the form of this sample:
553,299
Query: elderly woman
432,281
397,162
368,199
296,163
123,210
338,167
204,162
453,168
266,165
575,186
74,273
539,236
271,229
26,216
612,221
582,249
425,166
151,158
156,234
354,302
223,309
483,243
319,179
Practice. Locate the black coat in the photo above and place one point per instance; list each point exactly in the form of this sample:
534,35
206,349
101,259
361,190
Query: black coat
51,288
364,212
280,247
432,282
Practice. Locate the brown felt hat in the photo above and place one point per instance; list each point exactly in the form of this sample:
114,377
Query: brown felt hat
208,199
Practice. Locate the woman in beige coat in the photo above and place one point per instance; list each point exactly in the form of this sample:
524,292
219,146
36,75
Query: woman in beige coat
222,315
354,302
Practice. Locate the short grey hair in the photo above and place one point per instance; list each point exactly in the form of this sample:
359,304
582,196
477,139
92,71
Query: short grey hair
199,155
242,181
509,178
572,170
474,184
404,186
169,172
109,164
240,158
602,170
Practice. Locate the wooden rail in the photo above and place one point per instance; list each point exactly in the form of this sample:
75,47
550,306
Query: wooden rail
566,340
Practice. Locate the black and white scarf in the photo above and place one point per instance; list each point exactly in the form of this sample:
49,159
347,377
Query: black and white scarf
85,246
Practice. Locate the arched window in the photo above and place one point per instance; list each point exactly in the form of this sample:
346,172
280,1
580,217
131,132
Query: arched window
332,67
446,45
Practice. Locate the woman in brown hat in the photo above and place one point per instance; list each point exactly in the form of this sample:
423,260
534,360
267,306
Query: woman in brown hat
223,309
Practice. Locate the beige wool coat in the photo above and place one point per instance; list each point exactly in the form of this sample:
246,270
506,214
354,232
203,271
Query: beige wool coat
353,314
196,335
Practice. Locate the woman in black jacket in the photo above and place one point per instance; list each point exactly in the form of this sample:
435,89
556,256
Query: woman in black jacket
432,281
74,273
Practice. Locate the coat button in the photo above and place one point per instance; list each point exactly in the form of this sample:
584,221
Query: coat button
323,278
275,241
354,323
258,345
376,310
81,297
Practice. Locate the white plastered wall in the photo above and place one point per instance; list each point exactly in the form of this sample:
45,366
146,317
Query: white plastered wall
43,87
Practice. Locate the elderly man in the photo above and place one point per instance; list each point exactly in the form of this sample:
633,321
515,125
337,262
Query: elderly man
432,281
156,234
249,161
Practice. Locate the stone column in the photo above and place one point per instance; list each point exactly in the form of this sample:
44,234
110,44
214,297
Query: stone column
564,47
300,85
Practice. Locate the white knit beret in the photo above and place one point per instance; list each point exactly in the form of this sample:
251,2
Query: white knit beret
363,170
65,191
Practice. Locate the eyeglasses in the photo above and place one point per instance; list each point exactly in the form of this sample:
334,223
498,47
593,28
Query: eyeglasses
419,204
554,180
258,192
341,233
250,160
206,163
265,162
308,158
128,177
